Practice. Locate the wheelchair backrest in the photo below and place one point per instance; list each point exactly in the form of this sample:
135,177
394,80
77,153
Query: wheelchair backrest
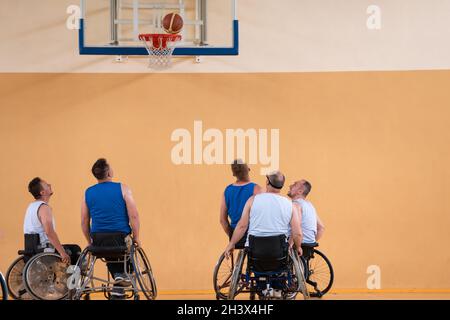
267,253
32,243
108,239
108,245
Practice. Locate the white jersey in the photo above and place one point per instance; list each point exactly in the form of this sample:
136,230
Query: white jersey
32,224
270,215
309,221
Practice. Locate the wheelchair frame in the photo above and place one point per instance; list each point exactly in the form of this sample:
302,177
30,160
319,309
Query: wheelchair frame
310,253
246,283
82,281
4,287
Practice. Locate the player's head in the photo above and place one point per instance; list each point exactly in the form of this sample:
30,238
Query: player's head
275,181
299,188
40,188
240,170
102,170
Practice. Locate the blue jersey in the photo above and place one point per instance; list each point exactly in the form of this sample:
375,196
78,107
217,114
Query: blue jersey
235,199
107,208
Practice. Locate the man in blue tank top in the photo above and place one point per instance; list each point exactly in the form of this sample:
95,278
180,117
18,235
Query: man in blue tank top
234,198
109,207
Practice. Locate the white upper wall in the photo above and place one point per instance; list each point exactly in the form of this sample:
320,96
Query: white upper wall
275,36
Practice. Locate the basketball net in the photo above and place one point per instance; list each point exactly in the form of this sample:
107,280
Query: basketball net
160,47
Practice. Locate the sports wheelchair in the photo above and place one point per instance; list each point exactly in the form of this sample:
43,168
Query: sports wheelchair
111,248
38,273
270,266
318,271
3,288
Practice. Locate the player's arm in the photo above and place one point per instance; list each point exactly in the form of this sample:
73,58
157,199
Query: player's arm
257,190
46,217
241,227
224,216
296,227
133,214
85,221
320,228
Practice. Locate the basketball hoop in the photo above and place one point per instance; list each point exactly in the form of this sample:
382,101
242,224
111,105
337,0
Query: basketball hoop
160,48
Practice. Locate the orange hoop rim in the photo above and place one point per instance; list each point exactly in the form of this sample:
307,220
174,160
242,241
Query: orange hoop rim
165,36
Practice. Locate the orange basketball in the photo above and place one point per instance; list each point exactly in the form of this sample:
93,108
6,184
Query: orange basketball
173,23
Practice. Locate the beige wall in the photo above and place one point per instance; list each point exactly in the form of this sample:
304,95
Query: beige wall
276,36
374,145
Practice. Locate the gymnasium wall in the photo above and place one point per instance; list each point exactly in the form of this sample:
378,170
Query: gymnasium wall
372,138
374,145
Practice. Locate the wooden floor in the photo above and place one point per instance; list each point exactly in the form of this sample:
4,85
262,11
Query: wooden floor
330,296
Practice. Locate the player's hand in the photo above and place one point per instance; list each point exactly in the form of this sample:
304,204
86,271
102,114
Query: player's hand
137,242
228,251
65,258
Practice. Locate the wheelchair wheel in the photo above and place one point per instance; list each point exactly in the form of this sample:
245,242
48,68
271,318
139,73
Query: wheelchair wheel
299,276
45,277
4,288
236,275
14,280
78,282
319,273
222,276
143,272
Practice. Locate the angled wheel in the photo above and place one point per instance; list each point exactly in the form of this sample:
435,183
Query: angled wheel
144,273
45,277
319,273
298,275
222,276
236,275
14,280
3,288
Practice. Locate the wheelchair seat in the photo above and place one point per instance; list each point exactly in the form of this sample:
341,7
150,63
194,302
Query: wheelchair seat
268,254
310,245
308,249
107,252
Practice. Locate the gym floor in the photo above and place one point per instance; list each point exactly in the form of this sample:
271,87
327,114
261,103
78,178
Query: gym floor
333,296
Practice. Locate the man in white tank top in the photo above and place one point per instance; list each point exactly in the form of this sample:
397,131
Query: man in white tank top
39,218
269,214
312,226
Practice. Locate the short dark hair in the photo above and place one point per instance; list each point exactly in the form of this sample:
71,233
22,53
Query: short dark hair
35,187
100,169
240,170
307,187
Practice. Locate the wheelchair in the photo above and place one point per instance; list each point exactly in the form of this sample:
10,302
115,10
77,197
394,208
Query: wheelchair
319,272
38,273
3,288
112,249
270,266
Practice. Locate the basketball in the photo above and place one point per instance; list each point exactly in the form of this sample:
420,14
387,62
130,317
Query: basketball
173,23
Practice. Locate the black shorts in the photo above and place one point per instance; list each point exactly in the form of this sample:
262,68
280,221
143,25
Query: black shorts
241,243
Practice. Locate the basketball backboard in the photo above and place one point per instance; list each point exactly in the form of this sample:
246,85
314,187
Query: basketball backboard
112,27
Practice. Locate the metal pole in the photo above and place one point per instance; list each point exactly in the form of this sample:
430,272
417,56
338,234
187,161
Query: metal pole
204,26
114,26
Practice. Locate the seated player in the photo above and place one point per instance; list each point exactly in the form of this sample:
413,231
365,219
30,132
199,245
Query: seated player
312,226
39,220
109,207
234,198
269,214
